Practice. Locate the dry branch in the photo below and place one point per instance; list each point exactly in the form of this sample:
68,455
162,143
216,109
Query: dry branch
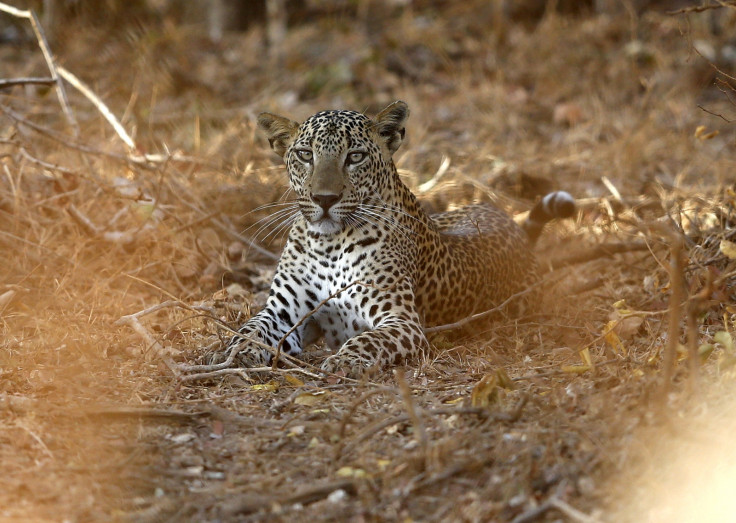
46,50
100,105
677,294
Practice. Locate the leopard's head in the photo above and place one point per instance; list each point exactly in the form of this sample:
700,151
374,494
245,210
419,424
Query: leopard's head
338,162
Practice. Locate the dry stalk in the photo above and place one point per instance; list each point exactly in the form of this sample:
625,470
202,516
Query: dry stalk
674,313
694,307
416,420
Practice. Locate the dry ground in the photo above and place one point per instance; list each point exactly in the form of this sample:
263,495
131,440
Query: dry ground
543,418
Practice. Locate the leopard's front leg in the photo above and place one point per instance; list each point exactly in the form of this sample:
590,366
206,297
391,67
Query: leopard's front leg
287,303
396,334
252,347
395,341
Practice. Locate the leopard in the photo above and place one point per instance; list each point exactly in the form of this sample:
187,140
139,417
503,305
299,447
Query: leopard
364,266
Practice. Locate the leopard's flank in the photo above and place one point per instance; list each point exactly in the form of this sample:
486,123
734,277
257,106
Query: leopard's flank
355,221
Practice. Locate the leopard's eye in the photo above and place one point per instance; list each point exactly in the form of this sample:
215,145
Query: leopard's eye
355,158
304,155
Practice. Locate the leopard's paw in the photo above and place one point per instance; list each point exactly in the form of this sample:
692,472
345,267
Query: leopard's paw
245,354
346,364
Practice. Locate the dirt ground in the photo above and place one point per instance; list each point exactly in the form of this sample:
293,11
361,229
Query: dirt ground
121,266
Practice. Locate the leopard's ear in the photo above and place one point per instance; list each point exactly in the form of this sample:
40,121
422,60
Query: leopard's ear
389,124
280,131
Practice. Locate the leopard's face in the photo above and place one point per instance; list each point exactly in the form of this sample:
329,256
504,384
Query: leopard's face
339,163
336,168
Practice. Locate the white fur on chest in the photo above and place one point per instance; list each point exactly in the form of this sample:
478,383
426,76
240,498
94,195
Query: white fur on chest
333,267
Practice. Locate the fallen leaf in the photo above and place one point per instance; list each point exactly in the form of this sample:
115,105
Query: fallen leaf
612,338
350,472
6,298
271,386
311,398
700,133
725,339
293,380
485,391
585,356
296,430
728,249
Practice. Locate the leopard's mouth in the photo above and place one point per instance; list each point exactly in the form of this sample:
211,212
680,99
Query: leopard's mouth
326,226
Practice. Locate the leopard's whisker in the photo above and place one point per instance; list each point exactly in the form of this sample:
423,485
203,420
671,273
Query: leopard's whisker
379,211
273,219
284,222
364,213
269,206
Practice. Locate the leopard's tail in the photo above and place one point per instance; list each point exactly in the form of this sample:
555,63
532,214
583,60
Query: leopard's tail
558,204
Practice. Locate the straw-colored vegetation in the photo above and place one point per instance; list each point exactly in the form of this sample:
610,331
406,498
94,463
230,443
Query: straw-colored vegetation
121,265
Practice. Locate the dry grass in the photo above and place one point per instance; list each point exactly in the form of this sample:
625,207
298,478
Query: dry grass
496,422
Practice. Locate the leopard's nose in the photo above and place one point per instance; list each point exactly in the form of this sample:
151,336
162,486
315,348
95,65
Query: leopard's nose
325,200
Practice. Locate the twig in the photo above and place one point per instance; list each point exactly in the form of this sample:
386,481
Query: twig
243,372
416,419
133,320
100,105
599,251
571,512
53,135
151,342
45,165
245,504
480,315
126,411
701,8
727,120
324,302
224,228
481,412
37,438
119,237
12,82
349,413
555,502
